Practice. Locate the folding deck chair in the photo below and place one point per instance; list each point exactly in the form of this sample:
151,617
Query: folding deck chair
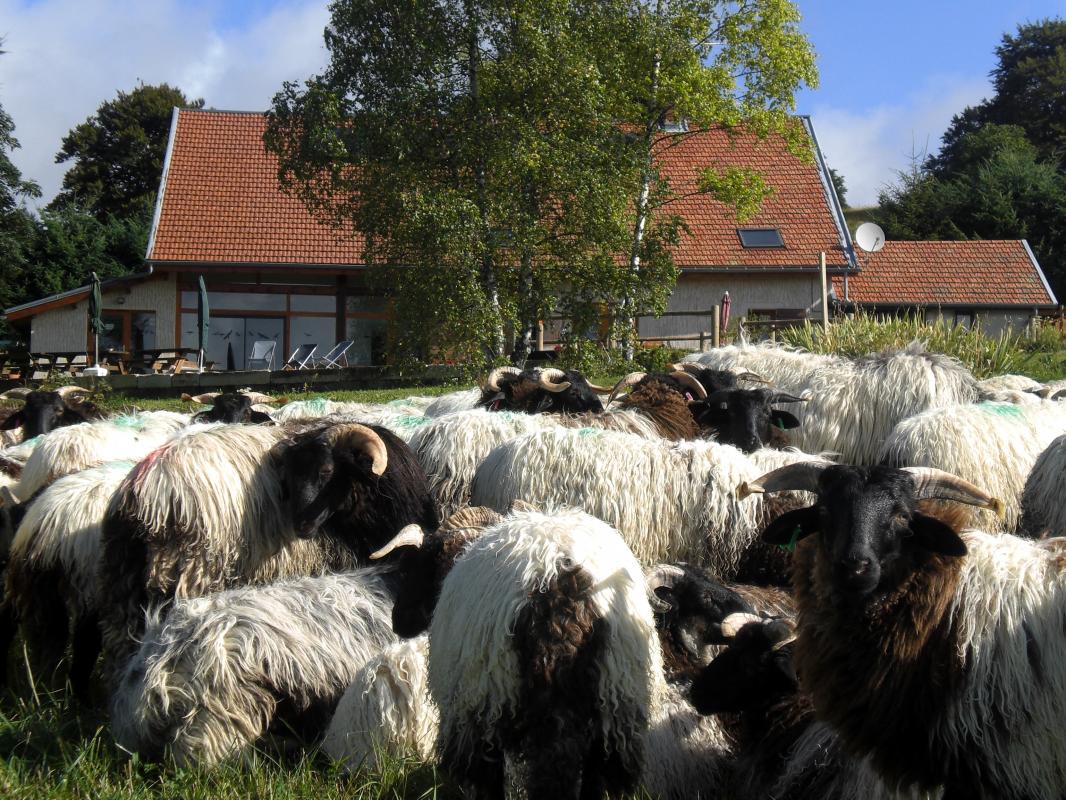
336,355
262,355
301,357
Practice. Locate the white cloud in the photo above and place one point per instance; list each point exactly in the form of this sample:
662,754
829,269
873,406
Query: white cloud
868,146
65,57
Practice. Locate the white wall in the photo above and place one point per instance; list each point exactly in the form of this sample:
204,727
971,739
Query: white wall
65,329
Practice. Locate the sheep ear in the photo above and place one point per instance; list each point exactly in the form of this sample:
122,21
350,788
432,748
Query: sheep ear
936,537
259,418
14,421
782,419
792,526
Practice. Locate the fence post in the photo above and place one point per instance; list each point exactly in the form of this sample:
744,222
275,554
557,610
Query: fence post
740,327
540,334
716,326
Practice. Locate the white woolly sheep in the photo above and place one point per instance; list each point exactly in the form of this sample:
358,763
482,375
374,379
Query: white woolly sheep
462,400
208,678
994,445
452,447
1043,512
785,367
999,383
246,504
543,648
387,710
52,573
76,447
671,502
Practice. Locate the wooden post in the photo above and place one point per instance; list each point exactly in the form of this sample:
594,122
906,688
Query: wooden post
540,334
716,327
825,295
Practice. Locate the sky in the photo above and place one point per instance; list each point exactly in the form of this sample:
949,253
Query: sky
892,74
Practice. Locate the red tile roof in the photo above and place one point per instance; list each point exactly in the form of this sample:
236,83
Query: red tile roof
990,272
221,203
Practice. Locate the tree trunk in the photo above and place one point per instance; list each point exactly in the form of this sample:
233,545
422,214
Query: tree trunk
629,310
493,345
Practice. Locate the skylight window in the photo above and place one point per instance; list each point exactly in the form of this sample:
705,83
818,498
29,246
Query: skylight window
760,237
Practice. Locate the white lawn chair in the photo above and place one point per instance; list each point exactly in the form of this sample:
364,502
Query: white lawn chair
262,355
334,358
301,357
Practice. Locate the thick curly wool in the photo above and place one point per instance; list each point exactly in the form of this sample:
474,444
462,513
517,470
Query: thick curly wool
201,514
956,677
1000,383
452,447
785,367
206,680
401,419
475,673
61,533
992,445
687,755
853,407
463,400
1043,512
76,447
665,408
386,711
671,502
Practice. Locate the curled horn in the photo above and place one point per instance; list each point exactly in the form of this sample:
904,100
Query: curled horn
665,575
360,437
493,381
785,397
800,477
732,624
751,376
202,399
599,389
936,484
409,536
687,366
67,391
18,393
628,380
547,377
258,397
690,381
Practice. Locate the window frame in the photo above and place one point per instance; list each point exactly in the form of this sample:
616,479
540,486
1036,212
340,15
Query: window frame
746,246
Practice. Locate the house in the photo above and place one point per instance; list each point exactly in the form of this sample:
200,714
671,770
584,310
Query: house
275,273
996,284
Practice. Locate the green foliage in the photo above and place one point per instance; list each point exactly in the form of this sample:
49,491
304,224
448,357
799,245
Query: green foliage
117,153
743,188
866,333
840,187
496,155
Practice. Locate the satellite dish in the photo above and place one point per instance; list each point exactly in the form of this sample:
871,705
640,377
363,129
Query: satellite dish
870,237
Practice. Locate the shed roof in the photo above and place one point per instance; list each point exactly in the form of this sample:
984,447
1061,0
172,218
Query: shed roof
969,273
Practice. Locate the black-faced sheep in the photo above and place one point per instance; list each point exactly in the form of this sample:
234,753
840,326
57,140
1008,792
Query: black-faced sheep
207,679
935,654
43,411
238,504
231,408
540,391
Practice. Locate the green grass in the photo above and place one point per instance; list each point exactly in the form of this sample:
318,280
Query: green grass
50,747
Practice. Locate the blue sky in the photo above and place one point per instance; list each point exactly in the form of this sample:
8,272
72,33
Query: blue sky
892,74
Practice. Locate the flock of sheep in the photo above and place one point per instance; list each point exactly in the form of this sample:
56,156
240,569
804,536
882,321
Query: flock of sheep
765,573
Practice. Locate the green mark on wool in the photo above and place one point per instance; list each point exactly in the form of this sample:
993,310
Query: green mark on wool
1002,409
508,415
317,404
589,431
410,421
118,466
128,421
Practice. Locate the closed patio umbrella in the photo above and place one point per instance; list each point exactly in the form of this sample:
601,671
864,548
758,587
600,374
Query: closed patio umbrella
203,320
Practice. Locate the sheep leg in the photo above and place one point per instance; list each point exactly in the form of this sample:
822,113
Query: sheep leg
8,628
555,762
480,773
84,652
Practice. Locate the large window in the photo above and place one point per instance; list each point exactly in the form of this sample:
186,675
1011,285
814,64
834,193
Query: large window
230,339
130,331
